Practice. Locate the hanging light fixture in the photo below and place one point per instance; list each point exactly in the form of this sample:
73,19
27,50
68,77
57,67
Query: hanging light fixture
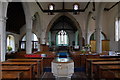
51,8
75,8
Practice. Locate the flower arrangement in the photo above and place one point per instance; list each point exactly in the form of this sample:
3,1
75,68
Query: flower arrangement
9,48
88,46
83,50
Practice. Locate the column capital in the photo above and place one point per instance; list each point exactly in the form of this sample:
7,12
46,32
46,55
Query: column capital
28,29
6,1
3,19
98,29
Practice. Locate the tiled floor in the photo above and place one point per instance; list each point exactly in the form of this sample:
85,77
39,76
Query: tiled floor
76,76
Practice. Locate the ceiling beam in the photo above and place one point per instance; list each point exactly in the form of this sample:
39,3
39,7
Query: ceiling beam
63,29
63,10
107,9
39,6
93,6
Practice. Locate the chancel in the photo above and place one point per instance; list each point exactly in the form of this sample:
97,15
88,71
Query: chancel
59,40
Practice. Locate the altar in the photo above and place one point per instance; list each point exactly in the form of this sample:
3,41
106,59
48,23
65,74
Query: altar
62,67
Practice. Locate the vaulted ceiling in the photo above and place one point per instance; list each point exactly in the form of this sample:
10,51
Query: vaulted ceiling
63,23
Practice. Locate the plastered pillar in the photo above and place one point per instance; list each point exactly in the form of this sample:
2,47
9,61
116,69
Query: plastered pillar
28,41
2,38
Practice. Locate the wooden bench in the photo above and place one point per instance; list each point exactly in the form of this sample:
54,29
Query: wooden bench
95,64
12,76
27,71
79,58
35,65
85,56
108,72
90,60
39,62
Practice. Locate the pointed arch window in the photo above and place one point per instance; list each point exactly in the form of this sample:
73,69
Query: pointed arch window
10,43
117,29
62,38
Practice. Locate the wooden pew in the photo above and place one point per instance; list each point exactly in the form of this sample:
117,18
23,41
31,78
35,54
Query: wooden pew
39,62
47,61
90,60
84,57
94,66
79,58
27,71
108,72
35,65
12,76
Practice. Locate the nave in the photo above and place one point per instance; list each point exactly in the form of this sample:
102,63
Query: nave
34,34
38,66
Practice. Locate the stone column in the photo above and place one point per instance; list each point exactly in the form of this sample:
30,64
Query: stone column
2,38
86,30
29,35
28,41
98,40
39,44
99,25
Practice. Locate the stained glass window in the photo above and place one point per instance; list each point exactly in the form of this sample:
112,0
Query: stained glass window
62,38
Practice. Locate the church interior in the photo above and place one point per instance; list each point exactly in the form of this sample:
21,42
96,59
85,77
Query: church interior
59,40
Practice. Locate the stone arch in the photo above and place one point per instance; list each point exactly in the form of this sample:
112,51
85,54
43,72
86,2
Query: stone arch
90,17
25,35
69,16
92,36
65,14
36,23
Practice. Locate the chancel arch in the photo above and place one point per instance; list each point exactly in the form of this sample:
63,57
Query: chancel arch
69,19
